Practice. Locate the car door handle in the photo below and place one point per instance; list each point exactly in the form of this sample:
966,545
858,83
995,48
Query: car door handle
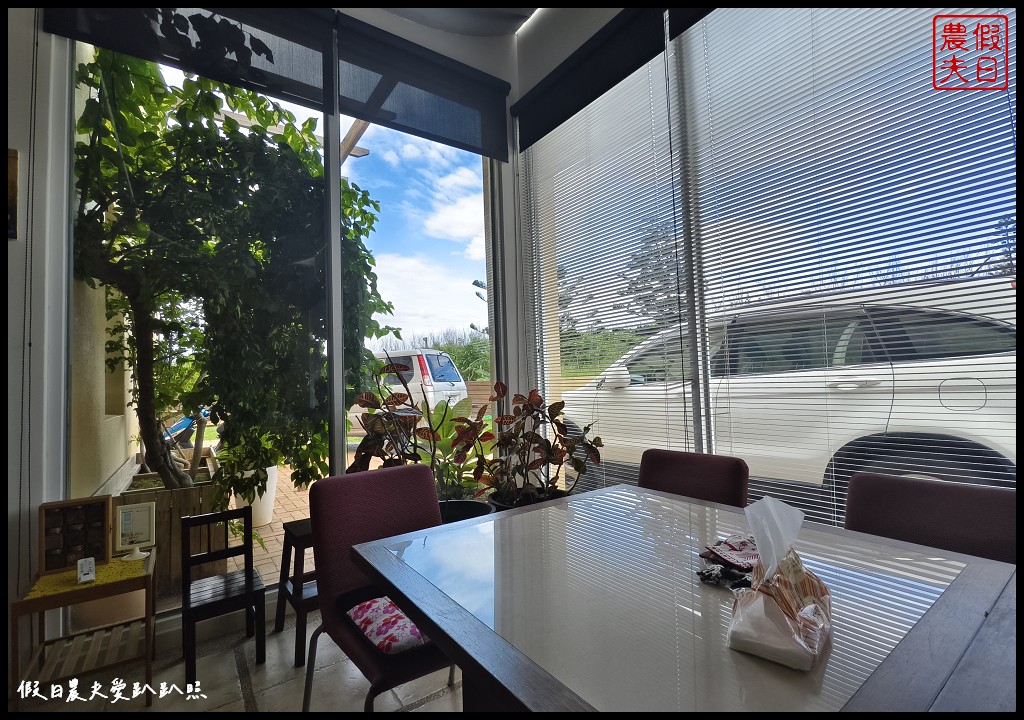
853,383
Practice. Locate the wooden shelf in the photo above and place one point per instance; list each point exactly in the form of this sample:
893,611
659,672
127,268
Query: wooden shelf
90,650
84,652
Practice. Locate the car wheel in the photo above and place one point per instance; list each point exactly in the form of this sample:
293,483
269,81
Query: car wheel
932,459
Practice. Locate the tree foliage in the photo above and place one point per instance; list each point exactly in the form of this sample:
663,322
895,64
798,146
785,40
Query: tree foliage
211,237
1003,259
652,292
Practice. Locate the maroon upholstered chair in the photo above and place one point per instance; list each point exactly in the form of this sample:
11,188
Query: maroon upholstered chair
346,510
972,519
715,478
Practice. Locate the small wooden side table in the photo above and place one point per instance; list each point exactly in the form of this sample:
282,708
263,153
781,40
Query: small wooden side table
96,648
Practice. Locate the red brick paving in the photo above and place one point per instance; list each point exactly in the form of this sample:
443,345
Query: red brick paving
289,504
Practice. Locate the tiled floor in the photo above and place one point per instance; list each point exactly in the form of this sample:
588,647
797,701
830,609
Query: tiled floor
230,681
289,504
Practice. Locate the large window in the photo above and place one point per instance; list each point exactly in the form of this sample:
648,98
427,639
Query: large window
216,272
826,241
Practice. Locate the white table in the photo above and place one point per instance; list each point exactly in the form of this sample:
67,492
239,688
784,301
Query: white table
593,602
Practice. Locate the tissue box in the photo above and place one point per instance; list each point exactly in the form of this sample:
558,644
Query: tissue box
786,619
786,613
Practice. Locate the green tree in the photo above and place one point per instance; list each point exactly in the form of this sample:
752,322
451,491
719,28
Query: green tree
210,236
652,293
1003,259
471,355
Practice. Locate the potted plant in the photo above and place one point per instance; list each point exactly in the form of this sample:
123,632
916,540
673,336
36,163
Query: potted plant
398,431
533,451
453,460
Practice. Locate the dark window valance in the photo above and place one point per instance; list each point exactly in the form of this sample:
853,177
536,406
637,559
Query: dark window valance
272,51
387,80
384,79
632,38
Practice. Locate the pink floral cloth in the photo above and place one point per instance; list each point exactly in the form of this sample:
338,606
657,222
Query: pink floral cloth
386,626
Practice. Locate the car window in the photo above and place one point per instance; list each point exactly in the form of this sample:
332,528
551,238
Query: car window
853,347
923,334
767,346
442,369
664,361
391,378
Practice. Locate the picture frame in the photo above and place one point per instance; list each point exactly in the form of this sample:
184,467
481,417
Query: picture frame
71,530
135,528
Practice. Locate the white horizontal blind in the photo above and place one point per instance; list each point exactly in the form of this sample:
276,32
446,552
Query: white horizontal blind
598,212
852,231
830,176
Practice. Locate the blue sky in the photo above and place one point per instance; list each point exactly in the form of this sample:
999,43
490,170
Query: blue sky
429,239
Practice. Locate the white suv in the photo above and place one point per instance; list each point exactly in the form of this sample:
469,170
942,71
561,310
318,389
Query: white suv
431,375
811,392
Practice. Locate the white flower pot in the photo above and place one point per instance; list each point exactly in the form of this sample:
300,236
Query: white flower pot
263,507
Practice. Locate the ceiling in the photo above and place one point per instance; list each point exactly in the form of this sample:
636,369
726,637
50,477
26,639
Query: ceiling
478,22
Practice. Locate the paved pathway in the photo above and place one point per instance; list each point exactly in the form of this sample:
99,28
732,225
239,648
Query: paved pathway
289,504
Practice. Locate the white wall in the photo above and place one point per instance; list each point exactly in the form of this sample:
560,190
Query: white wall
492,55
37,126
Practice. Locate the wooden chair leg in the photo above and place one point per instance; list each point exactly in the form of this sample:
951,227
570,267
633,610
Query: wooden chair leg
188,649
451,676
250,622
298,586
261,629
282,594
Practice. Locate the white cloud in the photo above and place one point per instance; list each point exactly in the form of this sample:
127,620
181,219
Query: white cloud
427,295
396,146
462,180
475,250
461,219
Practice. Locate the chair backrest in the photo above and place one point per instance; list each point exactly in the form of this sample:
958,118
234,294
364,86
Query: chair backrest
205,539
715,478
345,510
972,519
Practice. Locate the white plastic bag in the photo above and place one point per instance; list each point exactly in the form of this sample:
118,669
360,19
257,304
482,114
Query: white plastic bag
786,614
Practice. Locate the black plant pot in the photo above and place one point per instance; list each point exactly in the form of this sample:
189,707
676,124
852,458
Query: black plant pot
455,510
498,505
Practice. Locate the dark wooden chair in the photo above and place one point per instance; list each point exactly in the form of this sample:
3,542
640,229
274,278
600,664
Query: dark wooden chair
715,478
217,595
346,510
976,520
